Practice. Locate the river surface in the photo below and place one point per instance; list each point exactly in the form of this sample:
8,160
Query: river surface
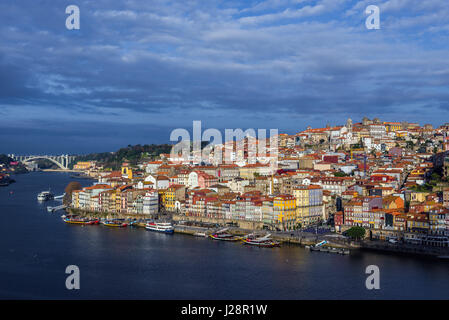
37,246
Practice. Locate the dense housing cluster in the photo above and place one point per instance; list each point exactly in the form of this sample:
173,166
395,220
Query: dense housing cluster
387,177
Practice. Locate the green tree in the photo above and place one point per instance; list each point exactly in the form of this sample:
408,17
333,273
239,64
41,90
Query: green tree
356,232
340,174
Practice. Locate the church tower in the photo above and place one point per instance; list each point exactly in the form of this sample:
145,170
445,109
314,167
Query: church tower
349,125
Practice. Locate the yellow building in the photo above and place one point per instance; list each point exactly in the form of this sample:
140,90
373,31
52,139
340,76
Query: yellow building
127,172
75,198
418,196
174,193
284,207
392,126
302,197
169,202
84,165
401,133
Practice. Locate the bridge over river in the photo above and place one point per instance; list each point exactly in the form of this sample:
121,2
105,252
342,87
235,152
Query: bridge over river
62,161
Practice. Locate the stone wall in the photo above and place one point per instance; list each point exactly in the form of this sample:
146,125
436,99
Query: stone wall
243,224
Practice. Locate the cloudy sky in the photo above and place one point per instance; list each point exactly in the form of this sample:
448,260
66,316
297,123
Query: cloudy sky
136,70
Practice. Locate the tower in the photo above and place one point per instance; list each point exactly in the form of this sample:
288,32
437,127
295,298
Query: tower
349,125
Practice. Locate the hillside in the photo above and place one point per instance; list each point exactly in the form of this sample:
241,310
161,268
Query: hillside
130,154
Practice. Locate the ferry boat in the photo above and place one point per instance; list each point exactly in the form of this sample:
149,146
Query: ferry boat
114,223
163,227
264,241
224,236
45,196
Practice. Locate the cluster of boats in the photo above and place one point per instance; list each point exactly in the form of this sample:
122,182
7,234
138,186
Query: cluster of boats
250,239
163,227
222,235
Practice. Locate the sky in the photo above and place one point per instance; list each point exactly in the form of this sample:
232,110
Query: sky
136,70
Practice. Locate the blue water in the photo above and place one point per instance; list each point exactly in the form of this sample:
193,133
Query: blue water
36,247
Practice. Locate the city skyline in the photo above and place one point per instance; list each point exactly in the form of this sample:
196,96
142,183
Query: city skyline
136,71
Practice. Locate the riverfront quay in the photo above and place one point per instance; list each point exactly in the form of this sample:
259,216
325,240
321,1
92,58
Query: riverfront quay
131,263
298,238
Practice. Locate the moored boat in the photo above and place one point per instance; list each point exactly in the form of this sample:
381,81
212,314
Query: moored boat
224,236
163,227
114,223
265,244
264,241
80,220
200,234
139,224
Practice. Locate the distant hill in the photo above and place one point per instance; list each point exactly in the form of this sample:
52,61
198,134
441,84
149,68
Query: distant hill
131,154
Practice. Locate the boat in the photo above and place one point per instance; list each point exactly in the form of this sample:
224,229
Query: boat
200,234
224,236
264,244
80,220
45,196
333,250
163,227
320,247
114,223
264,241
139,224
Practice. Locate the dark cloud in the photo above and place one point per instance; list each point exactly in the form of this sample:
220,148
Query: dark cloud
156,64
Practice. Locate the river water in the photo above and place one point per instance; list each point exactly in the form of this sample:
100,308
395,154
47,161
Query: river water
37,246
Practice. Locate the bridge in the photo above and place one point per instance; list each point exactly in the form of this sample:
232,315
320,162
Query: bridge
61,161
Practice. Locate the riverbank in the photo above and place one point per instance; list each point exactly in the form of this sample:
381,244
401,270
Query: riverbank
405,249
301,239
180,227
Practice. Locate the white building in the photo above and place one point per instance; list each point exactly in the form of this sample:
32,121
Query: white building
151,202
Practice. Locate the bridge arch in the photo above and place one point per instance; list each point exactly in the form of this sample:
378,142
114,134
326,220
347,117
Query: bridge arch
46,158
